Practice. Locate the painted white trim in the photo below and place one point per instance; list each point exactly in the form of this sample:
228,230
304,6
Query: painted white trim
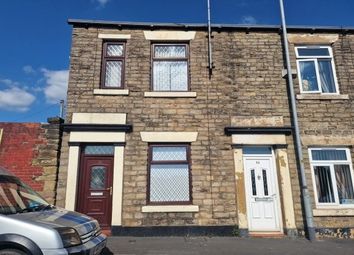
117,198
170,208
97,137
330,164
240,187
333,212
169,35
99,118
170,94
169,136
315,59
111,92
114,36
284,184
286,189
276,185
315,47
276,179
246,139
71,181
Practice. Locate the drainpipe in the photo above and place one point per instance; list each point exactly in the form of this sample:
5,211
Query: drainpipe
210,56
61,112
298,148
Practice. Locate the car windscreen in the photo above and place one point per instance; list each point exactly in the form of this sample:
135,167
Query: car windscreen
16,197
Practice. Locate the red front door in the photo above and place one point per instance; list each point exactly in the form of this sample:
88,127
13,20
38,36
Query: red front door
95,188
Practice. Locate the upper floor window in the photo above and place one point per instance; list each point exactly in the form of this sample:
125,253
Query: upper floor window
170,67
113,58
169,174
316,69
333,177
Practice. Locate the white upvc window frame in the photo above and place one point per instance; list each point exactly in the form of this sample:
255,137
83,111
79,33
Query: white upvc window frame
315,60
331,164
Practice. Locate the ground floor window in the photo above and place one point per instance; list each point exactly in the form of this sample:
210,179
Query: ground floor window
333,176
169,174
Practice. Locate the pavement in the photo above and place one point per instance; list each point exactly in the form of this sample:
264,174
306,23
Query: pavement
225,245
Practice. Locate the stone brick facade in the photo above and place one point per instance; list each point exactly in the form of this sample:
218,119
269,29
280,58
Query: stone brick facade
328,122
246,83
31,151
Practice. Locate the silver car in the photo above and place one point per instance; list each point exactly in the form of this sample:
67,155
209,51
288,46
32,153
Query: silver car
29,225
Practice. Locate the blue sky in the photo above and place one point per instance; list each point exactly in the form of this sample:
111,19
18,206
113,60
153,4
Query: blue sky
35,38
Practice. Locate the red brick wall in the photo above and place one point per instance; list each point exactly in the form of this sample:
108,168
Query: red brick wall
19,146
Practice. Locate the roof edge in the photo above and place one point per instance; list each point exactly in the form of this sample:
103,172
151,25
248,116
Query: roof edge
203,26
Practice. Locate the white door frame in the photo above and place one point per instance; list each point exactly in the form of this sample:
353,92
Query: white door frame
276,184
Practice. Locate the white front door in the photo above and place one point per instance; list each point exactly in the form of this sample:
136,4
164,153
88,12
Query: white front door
261,193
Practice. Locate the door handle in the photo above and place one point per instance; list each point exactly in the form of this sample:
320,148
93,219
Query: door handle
110,190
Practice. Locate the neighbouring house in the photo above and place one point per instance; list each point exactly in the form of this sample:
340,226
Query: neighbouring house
154,143
31,151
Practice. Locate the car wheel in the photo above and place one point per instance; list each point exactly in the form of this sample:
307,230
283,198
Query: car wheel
12,252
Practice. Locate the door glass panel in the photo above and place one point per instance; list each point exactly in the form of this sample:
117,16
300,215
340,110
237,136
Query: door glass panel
99,150
257,150
253,179
98,177
265,182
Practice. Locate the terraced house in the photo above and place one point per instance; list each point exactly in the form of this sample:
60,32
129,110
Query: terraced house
156,141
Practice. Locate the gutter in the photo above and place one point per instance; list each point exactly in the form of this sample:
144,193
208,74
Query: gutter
204,27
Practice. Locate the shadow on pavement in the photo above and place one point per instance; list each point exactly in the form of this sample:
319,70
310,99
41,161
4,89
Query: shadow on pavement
106,251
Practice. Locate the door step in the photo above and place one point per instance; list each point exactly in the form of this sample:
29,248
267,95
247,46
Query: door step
266,234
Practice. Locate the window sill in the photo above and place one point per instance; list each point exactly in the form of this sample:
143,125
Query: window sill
333,212
170,208
321,97
111,92
170,94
